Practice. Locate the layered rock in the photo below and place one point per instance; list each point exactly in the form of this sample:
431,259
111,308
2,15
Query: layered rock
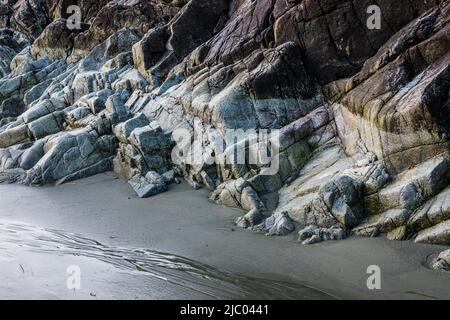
140,16
442,262
358,119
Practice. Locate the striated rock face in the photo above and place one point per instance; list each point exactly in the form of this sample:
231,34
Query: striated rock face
140,16
357,119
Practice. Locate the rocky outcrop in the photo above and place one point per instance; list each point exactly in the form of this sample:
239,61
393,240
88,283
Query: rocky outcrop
164,47
396,105
354,121
141,16
11,43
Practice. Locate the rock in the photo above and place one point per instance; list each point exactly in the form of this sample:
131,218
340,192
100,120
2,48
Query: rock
31,16
399,233
431,213
12,175
141,16
314,239
47,125
14,136
150,138
5,14
12,107
123,130
96,101
144,147
129,162
401,100
115,107
130,80
313,234
169,177
93,154
353,122
438,234
336,49
151,56
412,187
252,218
443,261
145,189
278,224
177,180
238,194
118,43
392,219
154,178
32,155
56,41
264,184
343,196
306,233
377,178
366,231
11,43
36,92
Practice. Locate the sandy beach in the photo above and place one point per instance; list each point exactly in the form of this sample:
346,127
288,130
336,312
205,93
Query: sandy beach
179,245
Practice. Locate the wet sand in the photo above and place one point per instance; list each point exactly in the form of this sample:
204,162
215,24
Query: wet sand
178,245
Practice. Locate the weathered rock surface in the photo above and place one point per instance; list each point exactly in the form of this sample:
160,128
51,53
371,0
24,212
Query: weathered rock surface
150,185
140,16
442,262
359,118
313,234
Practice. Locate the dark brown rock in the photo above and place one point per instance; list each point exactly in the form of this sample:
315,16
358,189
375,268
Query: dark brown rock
197,22
140,16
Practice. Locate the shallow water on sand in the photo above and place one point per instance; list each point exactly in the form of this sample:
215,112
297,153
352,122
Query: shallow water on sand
188,275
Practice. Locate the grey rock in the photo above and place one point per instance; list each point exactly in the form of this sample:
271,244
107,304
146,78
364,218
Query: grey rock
145,189
123,130
169,177
442,262
279,224
342,196
32,155
73,155
252,218
154,178
306,233
312,240
438,234
313,234
47,125
14,135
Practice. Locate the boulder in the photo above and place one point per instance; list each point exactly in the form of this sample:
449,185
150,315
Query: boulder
442,262
141,16
56,41
313,234
124,129
144,188
197,22
278,224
